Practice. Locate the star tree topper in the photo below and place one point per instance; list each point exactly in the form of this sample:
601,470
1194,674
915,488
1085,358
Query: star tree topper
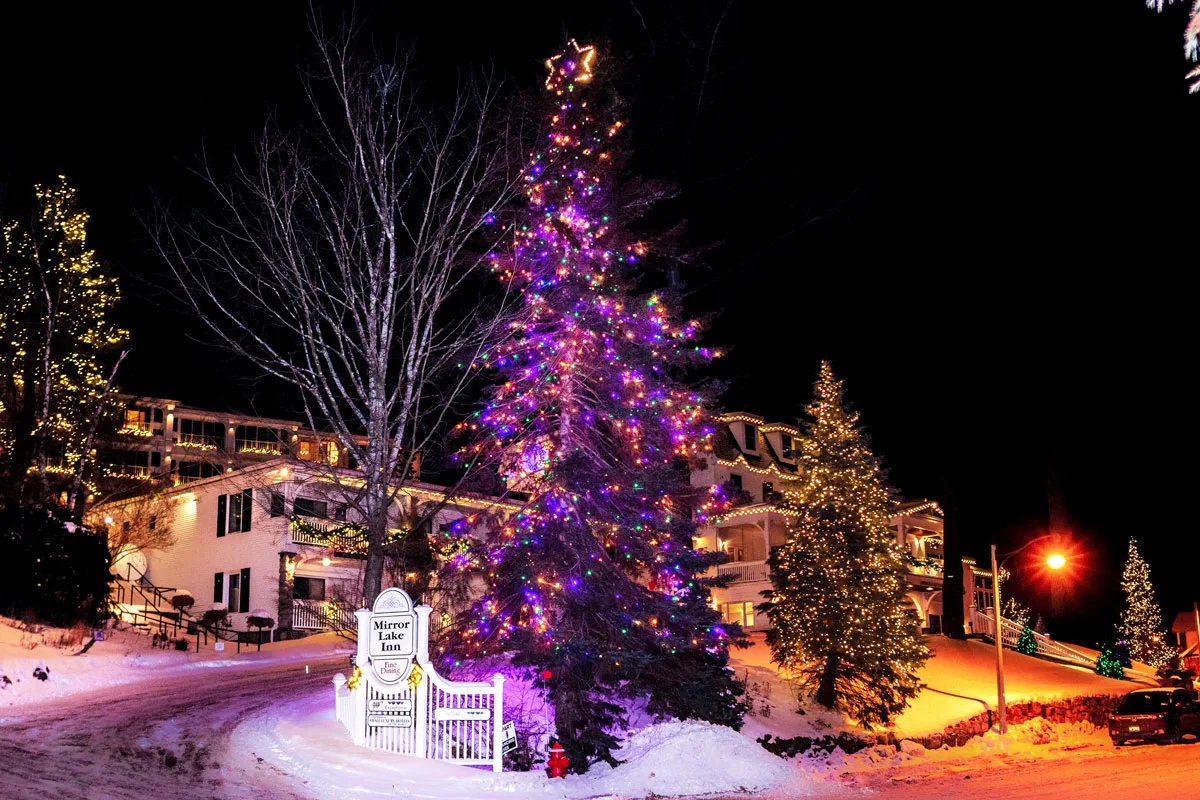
567,68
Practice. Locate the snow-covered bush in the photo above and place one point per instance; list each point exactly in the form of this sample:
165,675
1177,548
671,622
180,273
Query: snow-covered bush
216,615
260,619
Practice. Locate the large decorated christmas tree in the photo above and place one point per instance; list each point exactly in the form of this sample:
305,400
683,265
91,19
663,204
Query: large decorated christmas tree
842,623
593,585
1141,623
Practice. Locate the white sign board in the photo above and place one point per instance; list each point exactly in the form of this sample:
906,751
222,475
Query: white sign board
389,721
443,714
389,705
508,734
392,639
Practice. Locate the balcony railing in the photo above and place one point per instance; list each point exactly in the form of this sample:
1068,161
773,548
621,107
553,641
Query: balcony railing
318,615
323,534
744,571
200,441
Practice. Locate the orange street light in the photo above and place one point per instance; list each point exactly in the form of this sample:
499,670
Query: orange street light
1056,561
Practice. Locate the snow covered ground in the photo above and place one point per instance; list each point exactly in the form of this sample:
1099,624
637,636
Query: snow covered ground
124,657
129,721
960,682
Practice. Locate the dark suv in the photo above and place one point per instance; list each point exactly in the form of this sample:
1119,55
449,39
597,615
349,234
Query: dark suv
1155,715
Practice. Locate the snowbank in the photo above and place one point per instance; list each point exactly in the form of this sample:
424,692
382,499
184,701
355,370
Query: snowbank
304,742
123,657
686,758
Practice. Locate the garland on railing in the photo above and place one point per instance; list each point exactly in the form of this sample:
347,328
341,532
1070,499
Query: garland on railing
341,535
355,678
935,564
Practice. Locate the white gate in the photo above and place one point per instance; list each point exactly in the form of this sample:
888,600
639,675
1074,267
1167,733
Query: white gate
402,705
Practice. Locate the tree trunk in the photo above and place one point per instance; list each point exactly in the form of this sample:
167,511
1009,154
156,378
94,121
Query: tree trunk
376,536
827,689
78,499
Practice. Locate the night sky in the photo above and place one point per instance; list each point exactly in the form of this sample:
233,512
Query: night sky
983,222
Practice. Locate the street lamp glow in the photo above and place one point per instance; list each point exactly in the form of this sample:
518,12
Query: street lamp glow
1056,561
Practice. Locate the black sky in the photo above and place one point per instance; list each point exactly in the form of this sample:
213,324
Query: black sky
984,221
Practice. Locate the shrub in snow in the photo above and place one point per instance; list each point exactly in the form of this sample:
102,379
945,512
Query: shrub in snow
41,672
58,575
911,748
181,645
797,745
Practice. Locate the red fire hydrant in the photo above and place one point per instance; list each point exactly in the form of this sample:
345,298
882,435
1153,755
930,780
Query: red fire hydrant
558,763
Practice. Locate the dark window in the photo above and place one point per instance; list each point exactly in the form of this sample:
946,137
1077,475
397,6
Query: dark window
255,439
768,491
751,439
158,416
200,434
235,591
785,440
156,459
339,512
195,470
240,507
309,588
222,511
736,481
153,521
278,505
219,587
306,507
1144,702
244,597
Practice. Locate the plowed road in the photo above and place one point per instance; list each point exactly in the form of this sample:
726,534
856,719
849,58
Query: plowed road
151,740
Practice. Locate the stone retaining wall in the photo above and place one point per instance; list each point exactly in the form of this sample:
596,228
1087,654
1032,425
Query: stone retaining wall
1095,709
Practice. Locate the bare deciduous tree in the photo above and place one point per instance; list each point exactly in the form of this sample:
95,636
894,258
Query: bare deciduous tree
141,523
341,261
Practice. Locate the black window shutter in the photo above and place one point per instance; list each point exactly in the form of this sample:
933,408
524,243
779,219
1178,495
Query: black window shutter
278,505
218,587
244,604
221,501
247,506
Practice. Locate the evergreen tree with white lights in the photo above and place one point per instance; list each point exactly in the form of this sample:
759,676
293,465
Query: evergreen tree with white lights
841,622
56,333
1141,620
594,583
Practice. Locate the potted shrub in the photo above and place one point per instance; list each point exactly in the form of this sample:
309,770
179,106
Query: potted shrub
182,601
261,620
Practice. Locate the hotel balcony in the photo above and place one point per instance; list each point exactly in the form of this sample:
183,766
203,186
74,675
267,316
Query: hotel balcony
744,571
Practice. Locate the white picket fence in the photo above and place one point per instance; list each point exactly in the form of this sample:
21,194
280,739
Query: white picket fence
450,736
455,721
1011,632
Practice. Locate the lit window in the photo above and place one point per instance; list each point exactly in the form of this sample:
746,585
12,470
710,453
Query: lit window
738,613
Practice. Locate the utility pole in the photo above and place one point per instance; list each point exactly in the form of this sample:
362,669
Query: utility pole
998,635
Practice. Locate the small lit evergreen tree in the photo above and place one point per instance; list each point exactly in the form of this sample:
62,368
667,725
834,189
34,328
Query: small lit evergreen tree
1108,665
841,621
1026,643
1141,620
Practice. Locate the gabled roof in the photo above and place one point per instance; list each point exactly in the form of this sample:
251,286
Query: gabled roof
1184,621
730,451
